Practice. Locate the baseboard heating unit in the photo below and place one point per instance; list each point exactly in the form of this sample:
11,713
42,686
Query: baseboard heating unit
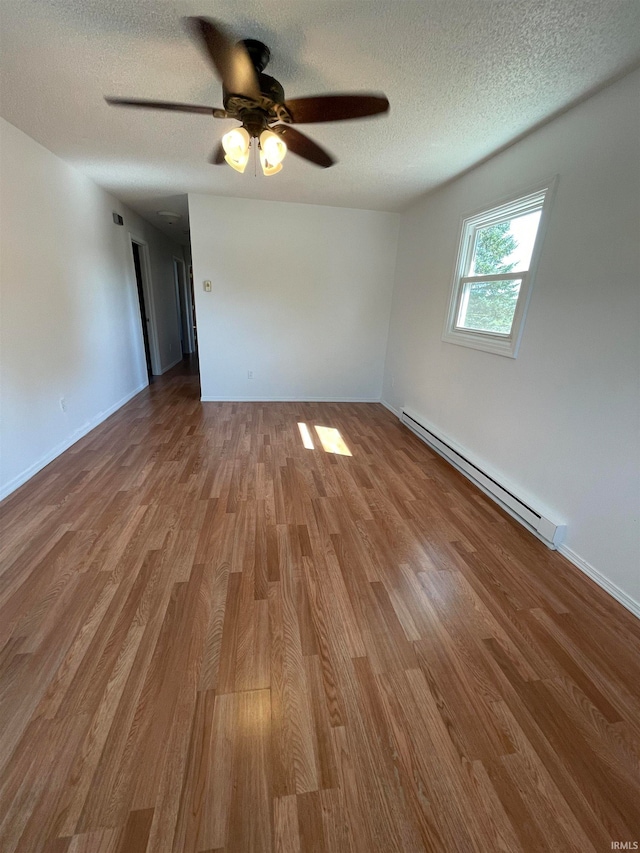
534,520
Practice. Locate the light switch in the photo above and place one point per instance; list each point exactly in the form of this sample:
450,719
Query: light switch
207,286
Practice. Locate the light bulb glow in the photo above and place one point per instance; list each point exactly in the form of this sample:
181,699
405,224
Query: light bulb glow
239,165
274,147
272,152
269,168
236,143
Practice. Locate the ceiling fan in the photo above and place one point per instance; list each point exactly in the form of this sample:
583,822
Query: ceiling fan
257,101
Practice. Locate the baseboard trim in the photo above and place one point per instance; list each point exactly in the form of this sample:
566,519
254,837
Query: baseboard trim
32,470
597,577
579,562
208,399
169,366
393,410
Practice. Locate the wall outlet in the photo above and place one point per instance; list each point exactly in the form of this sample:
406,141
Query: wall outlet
63,404
249,374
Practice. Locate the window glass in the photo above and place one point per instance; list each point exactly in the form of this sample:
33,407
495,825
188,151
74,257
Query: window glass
489,306
497,258
506,246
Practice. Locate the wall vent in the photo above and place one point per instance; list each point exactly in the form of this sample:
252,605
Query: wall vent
533,519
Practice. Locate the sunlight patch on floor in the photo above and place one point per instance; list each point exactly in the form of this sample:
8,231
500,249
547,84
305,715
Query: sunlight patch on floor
332,441
306,436
330,438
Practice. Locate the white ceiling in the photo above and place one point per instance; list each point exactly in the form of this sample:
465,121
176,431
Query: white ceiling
464,78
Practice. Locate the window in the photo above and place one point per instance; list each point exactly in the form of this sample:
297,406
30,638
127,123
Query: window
498,252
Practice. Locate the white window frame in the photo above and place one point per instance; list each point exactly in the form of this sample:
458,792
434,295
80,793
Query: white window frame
538,198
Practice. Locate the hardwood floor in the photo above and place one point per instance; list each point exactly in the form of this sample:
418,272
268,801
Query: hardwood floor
215,639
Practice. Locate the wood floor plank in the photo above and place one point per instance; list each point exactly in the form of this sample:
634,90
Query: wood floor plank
216,640
136,832
285,825
292,694
251,784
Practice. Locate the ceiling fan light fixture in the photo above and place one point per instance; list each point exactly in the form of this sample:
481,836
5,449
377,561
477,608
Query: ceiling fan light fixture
240,164
273,146
272,152
236,144
269,168
257,101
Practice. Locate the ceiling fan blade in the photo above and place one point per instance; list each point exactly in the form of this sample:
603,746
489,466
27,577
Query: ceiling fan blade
335,107
217,156
166,105
230,60
303,146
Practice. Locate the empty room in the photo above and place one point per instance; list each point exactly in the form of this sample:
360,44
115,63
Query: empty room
320,426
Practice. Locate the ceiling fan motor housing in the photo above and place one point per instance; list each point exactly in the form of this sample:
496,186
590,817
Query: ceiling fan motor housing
256,114
271,88
259,53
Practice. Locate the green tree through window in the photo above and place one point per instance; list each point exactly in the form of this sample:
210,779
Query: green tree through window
493,245
495,267
492,304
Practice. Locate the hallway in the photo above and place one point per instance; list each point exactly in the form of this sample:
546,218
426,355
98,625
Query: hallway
216,638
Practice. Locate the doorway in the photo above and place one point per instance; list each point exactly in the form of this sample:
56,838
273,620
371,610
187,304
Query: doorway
194,323
185,307
144,315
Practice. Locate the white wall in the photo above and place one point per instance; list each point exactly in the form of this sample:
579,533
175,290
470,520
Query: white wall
301,296
70,318
560,421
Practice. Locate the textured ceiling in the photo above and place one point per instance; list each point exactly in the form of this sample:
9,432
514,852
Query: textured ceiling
463,79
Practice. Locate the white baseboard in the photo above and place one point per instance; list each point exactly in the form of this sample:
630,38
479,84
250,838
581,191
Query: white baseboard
579,562
262,399
52,454
393,410
608,586
169,366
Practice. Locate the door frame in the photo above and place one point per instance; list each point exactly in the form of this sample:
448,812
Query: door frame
147,289
183,295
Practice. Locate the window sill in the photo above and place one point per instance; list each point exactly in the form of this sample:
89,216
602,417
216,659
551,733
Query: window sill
498,345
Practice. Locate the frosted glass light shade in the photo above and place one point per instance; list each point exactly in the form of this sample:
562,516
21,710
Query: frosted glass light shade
236,144
269,168
274,147
240,164
272,152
